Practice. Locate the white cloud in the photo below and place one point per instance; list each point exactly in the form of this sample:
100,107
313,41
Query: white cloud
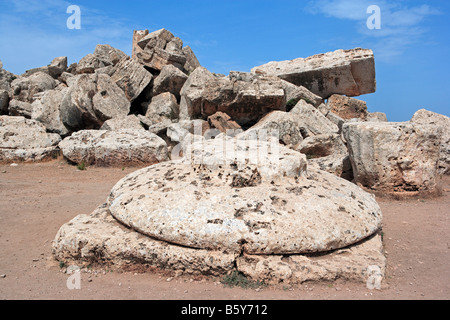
401,25
341,9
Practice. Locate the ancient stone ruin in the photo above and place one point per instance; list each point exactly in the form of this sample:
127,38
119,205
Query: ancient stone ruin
271,172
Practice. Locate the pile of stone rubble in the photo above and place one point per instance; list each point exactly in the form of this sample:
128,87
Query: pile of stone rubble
266,172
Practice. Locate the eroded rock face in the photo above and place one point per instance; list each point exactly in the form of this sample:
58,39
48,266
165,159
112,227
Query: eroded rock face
108,55
162,108
160,48
54,69
278,124
348,108
394,157
192,62
24,88
296,93
25,140
6,78
204,94
131,77
19,108
311,121
177,132
355,263
46,110
103,56
377,117
87,237
273,160
222,122
114,148
171,79
129,122
329,153
137,36
345,72
91,100
432,118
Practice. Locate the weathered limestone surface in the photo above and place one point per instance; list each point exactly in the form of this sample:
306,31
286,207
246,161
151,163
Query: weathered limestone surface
24,88
377,117
103,56
295,93
160,48
432,118
19,108
347,108
114,148
137,36
129,122
394,157
329,153
238,208
362,263
192,62
311,120
108,55
204,94
223,122
25,140
346,72
162,108
273,160
171,79
54,69
91,100
131,77
46,110
279,124
98,238
6,78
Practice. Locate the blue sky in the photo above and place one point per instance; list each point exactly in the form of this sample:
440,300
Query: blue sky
412,48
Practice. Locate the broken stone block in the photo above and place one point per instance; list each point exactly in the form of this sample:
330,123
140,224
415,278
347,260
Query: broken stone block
394,157
435,119
26,140
347,108
223,122
204,94
126,147
345,72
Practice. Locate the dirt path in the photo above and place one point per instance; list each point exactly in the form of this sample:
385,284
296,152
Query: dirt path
36,199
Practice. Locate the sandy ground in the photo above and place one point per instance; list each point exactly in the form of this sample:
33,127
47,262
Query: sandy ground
36,199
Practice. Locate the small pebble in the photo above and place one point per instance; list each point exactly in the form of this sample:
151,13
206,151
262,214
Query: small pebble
3,276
